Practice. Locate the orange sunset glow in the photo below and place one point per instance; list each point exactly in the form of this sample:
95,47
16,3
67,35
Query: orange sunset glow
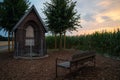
98,15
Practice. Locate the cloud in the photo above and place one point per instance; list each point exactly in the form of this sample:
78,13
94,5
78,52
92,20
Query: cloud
106,18
96,15
95,10
104,3
100,14
111,9
88,17
114,14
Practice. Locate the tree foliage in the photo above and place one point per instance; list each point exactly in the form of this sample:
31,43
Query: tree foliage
61,15
11,11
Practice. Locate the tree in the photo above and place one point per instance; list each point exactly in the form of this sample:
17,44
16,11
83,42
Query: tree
61,16
10,13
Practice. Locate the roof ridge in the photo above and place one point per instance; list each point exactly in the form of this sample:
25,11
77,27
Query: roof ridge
24,16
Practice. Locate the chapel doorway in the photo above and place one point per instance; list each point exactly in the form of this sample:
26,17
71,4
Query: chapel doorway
29,40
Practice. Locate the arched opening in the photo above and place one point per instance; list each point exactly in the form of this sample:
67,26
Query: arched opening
29,36
29,31
29,40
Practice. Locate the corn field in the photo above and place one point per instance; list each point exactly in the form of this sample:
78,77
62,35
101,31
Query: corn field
105,42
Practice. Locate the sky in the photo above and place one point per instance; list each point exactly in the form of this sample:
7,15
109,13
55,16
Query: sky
96,15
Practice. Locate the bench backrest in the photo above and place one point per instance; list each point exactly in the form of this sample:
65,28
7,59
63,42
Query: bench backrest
79,55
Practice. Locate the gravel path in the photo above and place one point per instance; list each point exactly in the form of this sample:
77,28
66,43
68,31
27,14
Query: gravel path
2,48
44,69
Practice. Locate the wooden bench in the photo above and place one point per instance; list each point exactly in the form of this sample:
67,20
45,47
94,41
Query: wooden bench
77,60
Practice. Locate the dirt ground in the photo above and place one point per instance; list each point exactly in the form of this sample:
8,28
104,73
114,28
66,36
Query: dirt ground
44,69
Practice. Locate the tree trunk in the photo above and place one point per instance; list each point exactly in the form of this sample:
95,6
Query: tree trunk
9,41
55,41
12,41
64,40
60,41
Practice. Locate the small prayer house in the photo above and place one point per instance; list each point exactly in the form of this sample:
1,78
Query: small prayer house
29,35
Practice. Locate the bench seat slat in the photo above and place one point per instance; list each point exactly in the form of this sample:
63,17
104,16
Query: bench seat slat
65,64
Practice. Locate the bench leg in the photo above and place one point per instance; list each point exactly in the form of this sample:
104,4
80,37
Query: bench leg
70,70
94,63
56,71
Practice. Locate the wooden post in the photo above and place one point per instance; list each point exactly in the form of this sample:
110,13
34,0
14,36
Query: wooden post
64,40
12,41
56,68
60,41
9,41
55,41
